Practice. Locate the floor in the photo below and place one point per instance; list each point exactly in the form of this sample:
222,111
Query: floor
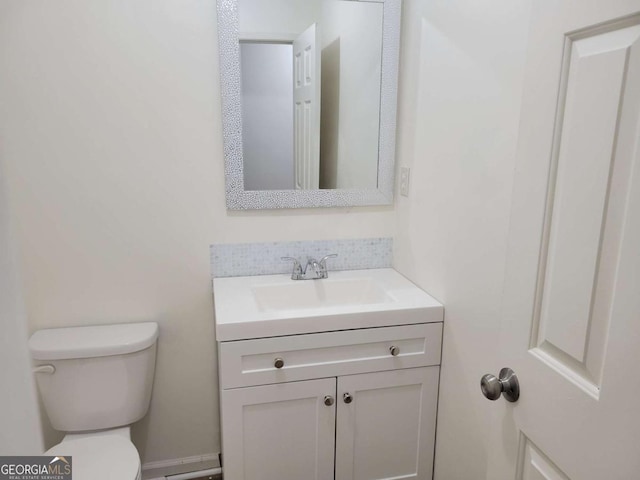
209,477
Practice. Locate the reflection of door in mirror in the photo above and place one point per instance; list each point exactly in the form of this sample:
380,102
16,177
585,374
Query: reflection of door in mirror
306,101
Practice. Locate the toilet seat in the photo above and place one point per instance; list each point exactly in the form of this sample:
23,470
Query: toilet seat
100,457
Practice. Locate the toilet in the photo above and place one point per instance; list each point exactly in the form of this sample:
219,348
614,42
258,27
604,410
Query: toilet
94,383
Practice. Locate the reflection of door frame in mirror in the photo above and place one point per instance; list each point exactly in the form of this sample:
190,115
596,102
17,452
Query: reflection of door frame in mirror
237,197
267,37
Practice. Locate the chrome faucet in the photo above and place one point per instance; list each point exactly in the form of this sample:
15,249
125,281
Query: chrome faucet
313,270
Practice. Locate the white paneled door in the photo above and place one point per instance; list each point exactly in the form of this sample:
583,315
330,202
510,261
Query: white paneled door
306,108
571,315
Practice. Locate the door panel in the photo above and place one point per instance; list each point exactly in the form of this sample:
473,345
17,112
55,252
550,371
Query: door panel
279,432
571,304
306,108
388,429
534,465
587,199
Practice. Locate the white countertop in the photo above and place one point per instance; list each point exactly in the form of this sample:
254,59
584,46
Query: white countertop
239,315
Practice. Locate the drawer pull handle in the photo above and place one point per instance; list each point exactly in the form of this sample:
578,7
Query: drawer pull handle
394,350
328,400
347,398
279,363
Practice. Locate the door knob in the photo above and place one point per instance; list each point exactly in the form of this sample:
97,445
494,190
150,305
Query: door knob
347,398
328,400
393,350
506,384
278,363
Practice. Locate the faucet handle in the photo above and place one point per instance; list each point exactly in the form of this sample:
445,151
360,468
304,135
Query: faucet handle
297,268
289,258
323,260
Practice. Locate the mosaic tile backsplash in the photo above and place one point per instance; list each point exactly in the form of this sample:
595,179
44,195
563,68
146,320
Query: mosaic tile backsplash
243,259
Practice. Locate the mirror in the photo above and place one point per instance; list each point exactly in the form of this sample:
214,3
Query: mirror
309,101
310,90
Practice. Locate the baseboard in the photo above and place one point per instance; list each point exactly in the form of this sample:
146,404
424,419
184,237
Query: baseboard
163,468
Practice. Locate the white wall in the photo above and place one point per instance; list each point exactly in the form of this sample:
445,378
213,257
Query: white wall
462,71
267,115
21,432
111,134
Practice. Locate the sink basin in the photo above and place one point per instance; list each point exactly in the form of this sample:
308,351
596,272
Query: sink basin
275,305
314,294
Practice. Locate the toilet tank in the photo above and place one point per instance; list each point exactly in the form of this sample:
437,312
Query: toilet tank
103,375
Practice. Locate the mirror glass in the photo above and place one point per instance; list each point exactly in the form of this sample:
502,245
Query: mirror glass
309,96
310,93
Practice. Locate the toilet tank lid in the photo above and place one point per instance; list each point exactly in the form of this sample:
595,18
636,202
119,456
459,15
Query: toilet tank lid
95,341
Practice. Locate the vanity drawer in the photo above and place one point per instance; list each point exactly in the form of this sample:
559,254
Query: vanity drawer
253,362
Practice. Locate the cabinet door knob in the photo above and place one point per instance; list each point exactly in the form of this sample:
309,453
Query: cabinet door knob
279,363
347,398
394,350
328,400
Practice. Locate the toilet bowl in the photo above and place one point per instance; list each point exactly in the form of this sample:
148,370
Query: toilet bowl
94,383
106,455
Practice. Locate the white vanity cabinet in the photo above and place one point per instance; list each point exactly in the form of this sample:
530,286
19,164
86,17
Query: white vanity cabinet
387,431
343,405
279,432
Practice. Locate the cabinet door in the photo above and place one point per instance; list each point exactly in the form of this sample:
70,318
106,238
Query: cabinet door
387,430
279,432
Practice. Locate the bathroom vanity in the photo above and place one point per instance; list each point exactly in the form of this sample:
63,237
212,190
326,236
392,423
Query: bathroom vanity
327,379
